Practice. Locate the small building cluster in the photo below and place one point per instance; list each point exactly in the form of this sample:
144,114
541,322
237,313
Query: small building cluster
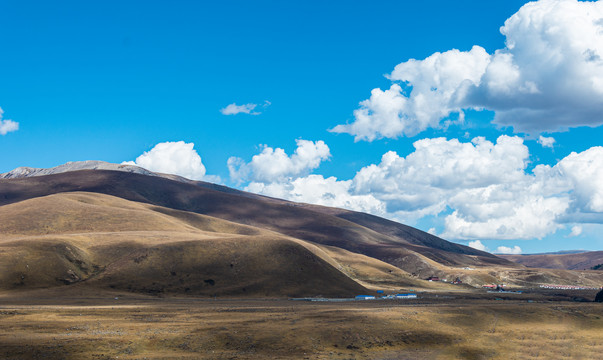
567,287
500,288
391,296
435,278
493,286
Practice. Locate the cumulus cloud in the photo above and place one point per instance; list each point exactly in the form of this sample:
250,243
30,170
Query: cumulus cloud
434,81
233,109
274,173
315,189
484,184
478,189
534,206
554,77
576,231
523,216
549,77
505,250
546,141
274,164
584,173
477,245
7,125
177,158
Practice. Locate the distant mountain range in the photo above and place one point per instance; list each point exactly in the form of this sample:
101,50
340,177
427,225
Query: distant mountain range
123,227
571,260
562,252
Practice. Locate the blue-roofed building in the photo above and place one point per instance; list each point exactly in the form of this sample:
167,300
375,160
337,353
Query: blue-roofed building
406,296
365,297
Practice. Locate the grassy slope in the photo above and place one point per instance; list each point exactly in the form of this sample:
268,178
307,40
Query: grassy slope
101,240
107,241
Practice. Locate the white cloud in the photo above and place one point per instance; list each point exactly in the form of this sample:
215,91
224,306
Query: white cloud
584,172
446,164
274,173
315,189
177,158
484,184
549,77
275,165
233,109
576,231
546,141
7,125
477,245
555,47
515,250
513,214
392,113
479,189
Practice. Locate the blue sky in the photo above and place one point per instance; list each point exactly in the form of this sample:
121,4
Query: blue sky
111,80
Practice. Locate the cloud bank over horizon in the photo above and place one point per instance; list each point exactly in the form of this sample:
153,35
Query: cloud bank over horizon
549,77
479,189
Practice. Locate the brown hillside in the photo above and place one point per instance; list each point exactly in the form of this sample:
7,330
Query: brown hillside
381,239
114,235
79,212
86,239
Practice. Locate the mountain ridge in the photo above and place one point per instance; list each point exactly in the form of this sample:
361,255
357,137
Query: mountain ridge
368,250
200,198
584,260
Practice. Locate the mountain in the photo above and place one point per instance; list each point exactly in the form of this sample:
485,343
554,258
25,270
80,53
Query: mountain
27,172
109,242
129,229
583,260
379,238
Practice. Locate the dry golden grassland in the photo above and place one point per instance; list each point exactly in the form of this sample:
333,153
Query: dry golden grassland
65,258
106,241
444,327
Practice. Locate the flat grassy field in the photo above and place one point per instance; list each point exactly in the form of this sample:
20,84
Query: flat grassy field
437,326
